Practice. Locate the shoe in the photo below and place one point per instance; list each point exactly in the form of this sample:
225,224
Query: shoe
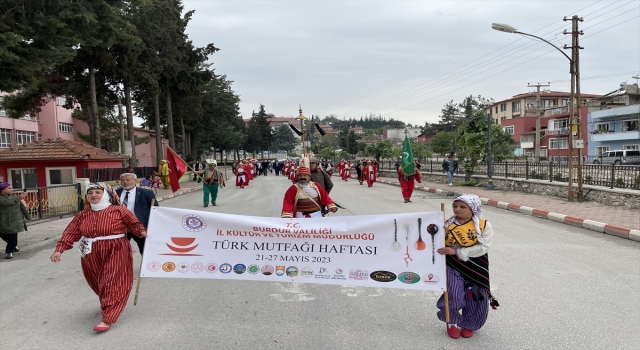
206,205
9,256
466,333
101,328
406,201
409,200
453,332
16,249
450,185
214,204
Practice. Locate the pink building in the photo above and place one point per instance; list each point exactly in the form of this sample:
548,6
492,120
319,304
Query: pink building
57,122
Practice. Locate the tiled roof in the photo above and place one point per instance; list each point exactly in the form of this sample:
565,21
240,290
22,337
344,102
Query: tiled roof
58,149
543,95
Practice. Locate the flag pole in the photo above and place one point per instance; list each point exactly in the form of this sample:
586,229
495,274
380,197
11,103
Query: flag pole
135,299
188,166
446,293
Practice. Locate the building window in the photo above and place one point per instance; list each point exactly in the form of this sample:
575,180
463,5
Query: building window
60,176
23,178
503,118
60,101
631,147
509,129
3,112
556,143
515,106
503,107
602,126
5,138
565,102
557,124
601,149
39,137
496,109
65,127
24,137
629,125
548,103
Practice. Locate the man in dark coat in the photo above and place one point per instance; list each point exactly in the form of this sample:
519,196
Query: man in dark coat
13,212
138,201
197,166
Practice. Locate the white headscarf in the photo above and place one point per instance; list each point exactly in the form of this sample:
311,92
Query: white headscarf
104,202
475,204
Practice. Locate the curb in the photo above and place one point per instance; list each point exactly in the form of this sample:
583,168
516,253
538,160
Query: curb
613,230
177,193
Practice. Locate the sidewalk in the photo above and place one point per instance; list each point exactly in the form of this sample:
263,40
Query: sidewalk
615,221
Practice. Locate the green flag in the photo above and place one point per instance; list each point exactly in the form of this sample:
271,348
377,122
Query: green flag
408,165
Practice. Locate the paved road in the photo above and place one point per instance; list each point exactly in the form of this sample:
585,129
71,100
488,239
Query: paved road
560,287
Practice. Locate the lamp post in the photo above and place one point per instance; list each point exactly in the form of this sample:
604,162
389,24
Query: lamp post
302,118
575,96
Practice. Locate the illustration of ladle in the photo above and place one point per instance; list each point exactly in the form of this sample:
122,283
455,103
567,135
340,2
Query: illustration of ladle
407,229
420,245
396,246
433,229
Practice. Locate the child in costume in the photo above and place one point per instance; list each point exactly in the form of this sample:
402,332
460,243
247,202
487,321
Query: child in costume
155,183
467,241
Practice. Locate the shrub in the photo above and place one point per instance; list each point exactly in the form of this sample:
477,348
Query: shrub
620,182
558,177
470,183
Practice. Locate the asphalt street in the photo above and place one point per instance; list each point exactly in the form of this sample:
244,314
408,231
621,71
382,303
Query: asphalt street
560,287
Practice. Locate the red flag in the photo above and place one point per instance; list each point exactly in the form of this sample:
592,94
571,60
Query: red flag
177,168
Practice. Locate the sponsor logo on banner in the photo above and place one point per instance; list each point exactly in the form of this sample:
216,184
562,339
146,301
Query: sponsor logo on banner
239,269
358,275
339,275
193,223
225,268
430,278
292,271
267,270
183,267
168,266
154,266
197,267
383,276
253,269
323,273
182,246
306,272
409,278
279,270
211,268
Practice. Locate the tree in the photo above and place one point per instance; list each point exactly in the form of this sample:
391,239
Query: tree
419,150
472,140
444,142
327,153
259,132
380,150
450,117
284,139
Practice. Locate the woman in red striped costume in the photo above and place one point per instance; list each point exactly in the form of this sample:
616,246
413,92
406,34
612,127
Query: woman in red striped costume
107,259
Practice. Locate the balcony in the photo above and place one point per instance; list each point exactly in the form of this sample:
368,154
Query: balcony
561,131
614,113
525,145
556,110
616,136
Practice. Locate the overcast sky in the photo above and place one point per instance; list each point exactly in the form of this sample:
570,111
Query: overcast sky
406,59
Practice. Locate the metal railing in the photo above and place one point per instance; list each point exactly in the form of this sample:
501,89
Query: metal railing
611,175
52,201
113,174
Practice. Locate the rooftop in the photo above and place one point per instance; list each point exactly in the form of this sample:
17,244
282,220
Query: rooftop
543,94
58,149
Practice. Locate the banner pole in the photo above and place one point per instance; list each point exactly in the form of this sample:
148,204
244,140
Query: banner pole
446,293
187,164
135,299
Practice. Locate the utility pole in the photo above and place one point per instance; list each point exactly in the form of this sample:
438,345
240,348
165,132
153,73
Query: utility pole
538,116
574,114
121,120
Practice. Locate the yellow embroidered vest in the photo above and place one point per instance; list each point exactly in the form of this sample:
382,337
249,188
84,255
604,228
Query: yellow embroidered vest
465,235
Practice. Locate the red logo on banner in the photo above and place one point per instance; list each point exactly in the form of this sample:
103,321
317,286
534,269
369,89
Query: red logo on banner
182,248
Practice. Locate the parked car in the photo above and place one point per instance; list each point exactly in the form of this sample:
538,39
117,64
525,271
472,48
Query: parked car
625,156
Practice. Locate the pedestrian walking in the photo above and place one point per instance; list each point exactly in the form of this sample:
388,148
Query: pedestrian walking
138,201
418,173
212,180
107,260
13,214
467,240
450,166
370,173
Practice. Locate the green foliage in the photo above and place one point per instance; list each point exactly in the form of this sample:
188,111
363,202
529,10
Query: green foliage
559,177
327,153
259,132
470,183
284,139
348,141
637,180
343,154
420,151
620,182
444,142
540,176
380,150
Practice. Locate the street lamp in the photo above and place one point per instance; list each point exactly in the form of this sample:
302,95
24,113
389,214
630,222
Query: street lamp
302,118
575,95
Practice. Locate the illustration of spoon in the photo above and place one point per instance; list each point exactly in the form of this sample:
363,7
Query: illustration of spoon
407,257
396,246
420,245
433,229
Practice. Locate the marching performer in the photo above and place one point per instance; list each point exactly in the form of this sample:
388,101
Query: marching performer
370,173
292,172
467,241
407,183
346,171
305,198
241,175
163,171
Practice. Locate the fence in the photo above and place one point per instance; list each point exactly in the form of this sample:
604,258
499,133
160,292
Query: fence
112,174
46,202
618,176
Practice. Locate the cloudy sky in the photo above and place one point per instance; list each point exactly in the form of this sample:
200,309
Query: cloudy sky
406,59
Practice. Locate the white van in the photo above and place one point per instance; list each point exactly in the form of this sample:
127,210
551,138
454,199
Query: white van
624,156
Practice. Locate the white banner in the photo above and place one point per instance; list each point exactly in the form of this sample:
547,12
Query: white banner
393,250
